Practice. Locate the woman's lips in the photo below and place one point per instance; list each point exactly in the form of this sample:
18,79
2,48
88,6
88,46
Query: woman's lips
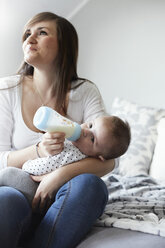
31,48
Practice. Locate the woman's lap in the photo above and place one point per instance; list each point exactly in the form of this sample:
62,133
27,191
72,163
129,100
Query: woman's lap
78,204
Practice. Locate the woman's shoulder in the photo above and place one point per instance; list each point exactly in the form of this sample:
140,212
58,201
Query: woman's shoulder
81,87
83,84
9,82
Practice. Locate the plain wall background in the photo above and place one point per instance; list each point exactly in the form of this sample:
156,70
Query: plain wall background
122,44
122,49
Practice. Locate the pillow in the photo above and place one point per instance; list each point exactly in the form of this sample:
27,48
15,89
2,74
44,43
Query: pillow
143,122
157,169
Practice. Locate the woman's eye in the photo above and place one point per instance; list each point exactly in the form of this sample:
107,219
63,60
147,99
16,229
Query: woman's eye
26,35
43,32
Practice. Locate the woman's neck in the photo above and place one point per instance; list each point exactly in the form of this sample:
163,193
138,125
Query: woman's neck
43,79
42,84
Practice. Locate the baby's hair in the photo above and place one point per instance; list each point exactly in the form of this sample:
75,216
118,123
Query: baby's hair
120,138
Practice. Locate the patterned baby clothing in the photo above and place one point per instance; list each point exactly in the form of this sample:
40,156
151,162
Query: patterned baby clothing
45,165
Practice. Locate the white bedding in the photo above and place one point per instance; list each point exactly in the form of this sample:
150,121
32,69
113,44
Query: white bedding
135,203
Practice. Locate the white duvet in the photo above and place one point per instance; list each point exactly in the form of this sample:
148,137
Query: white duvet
135,203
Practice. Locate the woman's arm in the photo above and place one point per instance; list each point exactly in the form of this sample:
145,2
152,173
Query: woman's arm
9,106
50,183
88,165
18,158
51,144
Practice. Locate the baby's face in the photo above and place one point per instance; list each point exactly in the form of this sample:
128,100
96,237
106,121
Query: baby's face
93,139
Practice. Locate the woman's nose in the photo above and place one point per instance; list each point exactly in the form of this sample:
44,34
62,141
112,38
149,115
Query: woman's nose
31,39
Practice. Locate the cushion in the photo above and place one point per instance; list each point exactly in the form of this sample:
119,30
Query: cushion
120,238
157,169
143,122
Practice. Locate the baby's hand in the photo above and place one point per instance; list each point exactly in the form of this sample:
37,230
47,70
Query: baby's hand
51,144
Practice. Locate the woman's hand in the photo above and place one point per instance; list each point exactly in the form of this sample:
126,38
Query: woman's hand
51,144
46,191
50,183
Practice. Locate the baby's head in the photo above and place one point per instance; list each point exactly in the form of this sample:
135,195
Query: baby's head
117,137
106,137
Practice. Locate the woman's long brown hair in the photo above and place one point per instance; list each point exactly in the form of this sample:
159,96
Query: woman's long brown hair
65,68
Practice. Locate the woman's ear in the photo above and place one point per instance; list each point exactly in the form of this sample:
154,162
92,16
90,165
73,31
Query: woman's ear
101,158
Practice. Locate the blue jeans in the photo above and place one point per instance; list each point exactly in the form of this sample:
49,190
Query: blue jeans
77,205
15,216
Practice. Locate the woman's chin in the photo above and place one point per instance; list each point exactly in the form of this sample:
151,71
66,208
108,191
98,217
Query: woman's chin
28,60
31,60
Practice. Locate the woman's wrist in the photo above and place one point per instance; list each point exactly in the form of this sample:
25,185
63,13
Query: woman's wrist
37,150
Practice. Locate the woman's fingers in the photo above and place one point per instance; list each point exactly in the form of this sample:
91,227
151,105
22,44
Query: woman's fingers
36,202
58,136
45,192
38,178
41,202
45,203
54,149
52,143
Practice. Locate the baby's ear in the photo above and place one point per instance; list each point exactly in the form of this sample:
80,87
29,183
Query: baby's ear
101,158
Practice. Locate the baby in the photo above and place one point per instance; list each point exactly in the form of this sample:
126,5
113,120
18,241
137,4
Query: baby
106,137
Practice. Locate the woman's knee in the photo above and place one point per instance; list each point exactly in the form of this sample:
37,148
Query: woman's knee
12,198
15,215
91,189
92,183
13,204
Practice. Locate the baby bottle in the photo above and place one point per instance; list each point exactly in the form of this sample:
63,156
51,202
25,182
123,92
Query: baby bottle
48,120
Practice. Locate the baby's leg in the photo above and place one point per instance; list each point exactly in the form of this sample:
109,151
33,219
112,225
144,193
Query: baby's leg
20,180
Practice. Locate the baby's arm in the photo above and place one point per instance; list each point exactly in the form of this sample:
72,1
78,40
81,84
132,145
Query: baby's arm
45,165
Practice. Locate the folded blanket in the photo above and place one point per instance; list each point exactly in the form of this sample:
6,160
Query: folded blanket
135,203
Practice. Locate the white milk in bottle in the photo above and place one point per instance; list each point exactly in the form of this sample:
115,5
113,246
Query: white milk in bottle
48,120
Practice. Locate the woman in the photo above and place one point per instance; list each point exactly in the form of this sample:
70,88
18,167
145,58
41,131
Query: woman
70,199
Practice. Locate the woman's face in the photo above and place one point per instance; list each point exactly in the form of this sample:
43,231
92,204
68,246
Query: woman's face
40,46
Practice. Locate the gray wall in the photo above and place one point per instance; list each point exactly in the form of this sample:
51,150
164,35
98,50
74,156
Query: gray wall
122,49
122,44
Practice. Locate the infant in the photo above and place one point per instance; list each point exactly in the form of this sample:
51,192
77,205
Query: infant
106,137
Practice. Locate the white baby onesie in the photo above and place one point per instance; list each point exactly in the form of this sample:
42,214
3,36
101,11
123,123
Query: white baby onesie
45,165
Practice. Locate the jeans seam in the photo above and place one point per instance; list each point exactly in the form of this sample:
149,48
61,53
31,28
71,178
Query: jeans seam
59,214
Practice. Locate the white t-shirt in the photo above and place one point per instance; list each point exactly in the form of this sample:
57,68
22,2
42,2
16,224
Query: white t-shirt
85,103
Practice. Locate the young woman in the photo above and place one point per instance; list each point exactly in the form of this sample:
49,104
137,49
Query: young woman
69,199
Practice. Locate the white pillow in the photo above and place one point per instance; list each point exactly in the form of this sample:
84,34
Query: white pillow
157,169
143,122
